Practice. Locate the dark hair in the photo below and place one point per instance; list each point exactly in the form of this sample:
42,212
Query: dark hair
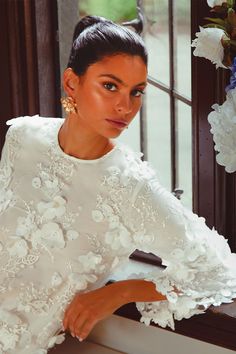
96,37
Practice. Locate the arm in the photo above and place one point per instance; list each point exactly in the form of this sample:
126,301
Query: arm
89,308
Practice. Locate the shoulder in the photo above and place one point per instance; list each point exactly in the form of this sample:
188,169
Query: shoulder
134,166
26,128
31,122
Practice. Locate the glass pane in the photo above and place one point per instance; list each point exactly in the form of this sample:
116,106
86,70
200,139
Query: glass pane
184,132
182,30
114,10
131,136
158,134
156,38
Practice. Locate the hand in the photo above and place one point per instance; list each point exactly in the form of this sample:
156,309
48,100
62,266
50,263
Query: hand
87,309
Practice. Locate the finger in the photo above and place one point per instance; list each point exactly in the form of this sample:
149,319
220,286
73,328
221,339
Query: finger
79,323
71,315
70,306
87,328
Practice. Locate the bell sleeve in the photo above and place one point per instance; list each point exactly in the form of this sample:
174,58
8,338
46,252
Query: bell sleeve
198,261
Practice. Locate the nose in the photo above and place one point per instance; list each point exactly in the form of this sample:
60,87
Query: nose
124,104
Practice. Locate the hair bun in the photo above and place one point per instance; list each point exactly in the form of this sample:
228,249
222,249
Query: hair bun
86,22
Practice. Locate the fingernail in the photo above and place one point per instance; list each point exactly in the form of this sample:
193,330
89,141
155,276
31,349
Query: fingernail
80,339
72,334
63,328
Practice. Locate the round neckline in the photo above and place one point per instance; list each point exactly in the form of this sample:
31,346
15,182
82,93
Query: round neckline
73,158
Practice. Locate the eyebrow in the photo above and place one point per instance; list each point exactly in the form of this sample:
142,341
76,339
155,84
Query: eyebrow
120,81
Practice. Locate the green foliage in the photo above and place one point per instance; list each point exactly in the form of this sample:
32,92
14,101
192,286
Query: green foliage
115,10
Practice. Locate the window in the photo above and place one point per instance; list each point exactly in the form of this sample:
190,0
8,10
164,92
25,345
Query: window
167,114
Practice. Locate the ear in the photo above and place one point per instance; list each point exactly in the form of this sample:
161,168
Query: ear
70,82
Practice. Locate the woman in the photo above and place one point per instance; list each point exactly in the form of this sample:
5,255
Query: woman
74,204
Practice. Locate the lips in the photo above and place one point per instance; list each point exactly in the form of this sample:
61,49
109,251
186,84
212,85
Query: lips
118,123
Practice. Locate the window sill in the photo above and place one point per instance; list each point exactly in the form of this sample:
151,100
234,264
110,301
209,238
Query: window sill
217,326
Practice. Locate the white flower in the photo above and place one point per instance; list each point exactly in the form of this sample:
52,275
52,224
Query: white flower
54,209
114,221
56,340
107,210
223,128
81,281
89,262
113,181
97,215
8,339
25,225
56,279
19,249
208,45
36,182
118,238
213,3
50,235
52,184
72,235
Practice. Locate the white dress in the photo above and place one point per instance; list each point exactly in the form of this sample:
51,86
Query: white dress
67,223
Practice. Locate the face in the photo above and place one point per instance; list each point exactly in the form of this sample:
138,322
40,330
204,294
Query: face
110,91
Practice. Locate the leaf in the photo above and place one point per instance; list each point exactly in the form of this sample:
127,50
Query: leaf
231,3
218,21
211,25
232,17
225,41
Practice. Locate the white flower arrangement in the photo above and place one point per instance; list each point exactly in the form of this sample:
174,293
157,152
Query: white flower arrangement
213,3
216,42
208,45
223,128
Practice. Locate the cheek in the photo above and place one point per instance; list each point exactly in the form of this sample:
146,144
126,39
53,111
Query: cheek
90,102
137,105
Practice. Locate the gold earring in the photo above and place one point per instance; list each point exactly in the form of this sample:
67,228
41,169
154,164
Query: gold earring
69,104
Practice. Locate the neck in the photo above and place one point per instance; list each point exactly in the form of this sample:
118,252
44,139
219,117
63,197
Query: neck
75,140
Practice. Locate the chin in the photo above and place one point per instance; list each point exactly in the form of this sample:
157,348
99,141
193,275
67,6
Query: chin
114,134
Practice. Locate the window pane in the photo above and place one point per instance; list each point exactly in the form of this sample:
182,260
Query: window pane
184,132
158,134
131,136
156,38
114,10
182,30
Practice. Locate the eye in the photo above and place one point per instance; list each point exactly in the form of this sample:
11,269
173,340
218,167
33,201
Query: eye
137,93
110,86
